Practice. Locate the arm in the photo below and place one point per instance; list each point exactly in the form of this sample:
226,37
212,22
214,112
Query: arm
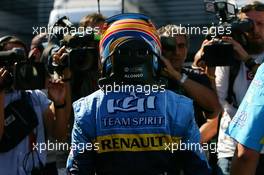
57,118
80,160
209,129
241,53
245,161
199,164
199,63
204,96
66,77
56,115
3,77
2,98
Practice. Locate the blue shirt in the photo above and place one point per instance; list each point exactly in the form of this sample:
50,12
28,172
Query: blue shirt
122,133
247,125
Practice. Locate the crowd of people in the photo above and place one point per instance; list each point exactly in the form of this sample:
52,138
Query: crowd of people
131,132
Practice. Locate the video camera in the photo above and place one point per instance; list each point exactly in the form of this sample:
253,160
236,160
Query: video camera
221,53
82,48
23,74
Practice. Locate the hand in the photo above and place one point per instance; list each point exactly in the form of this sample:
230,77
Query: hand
57,91
198,62
58,58
34,55
210,71
240,51
206,43
5,79
169,70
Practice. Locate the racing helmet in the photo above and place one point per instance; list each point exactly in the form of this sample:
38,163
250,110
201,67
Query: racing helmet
130,49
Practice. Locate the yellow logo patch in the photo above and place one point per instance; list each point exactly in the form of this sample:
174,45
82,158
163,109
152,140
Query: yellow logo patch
262,141
134,142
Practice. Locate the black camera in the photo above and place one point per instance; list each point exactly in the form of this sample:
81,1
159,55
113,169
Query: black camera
82,51
23,74
81,47
221,53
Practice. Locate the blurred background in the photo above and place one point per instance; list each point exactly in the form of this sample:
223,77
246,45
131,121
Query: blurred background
18,17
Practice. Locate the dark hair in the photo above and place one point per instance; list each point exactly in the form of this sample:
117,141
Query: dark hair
38,40
256,5
92,20
11,39
172,31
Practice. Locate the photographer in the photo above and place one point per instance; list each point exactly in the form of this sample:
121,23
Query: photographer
81,52
247,129
232,82
84,82
94,21
247,159
43,117
78,53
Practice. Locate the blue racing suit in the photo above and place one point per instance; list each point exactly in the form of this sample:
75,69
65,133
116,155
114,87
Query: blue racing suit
247,125
134,133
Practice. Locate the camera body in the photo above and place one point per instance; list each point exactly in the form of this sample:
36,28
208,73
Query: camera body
218,54
82,51
22,73
82,48
221,53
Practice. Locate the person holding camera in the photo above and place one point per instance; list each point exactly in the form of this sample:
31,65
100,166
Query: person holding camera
247,129
81,86
125,130
79,54
27,117
247,125
233,81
